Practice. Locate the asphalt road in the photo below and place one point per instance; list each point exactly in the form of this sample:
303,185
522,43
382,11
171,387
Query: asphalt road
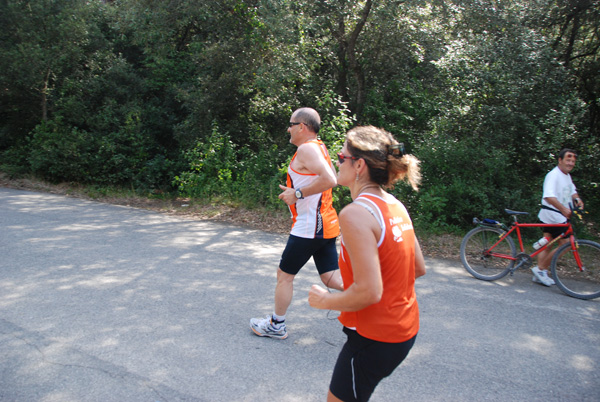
108,303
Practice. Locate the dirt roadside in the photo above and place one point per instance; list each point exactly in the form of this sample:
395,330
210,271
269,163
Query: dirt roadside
439,246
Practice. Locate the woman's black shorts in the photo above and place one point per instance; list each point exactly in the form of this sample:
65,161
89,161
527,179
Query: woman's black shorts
363,363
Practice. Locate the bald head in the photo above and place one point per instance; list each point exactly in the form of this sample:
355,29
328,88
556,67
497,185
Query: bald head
309,117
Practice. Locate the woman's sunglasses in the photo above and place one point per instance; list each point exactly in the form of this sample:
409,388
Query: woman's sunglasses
342,158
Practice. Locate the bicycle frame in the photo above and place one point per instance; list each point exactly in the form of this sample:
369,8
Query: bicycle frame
516,227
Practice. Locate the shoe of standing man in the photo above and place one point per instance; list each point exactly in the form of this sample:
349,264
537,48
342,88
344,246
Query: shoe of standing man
541,276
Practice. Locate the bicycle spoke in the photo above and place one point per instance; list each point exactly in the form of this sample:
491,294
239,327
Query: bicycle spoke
480,259
582,284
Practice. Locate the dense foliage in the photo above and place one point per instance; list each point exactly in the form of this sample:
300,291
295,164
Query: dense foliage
193,96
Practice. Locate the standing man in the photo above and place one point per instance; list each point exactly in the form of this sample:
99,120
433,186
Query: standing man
308,193
559,192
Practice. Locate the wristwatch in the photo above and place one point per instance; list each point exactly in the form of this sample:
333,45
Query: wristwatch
299,194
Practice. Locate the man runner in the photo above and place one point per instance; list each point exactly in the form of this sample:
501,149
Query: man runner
308,193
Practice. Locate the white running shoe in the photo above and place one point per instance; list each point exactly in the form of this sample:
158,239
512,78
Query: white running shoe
541,276
265,327
550,280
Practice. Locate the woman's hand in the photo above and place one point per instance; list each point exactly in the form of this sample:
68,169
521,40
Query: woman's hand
317,297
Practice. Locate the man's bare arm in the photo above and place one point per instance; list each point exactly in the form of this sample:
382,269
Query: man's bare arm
310,160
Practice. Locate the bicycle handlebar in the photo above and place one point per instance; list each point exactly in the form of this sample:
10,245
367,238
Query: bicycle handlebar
577,210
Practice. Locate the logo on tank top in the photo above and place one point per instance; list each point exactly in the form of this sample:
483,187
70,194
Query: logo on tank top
319,223
397,230
397,234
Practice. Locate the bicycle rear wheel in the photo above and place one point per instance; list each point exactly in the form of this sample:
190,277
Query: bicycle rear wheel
476,255
582,284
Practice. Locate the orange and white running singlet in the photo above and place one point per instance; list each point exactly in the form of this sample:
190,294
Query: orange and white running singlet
395,318
313,216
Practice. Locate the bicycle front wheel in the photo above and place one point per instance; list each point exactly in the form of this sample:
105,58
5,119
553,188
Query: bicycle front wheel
581,283
481,260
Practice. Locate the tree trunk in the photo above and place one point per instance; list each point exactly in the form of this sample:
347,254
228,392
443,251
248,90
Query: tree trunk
342,81
45,97
355,66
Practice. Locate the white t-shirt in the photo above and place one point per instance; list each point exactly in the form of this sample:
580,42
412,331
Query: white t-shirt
560,186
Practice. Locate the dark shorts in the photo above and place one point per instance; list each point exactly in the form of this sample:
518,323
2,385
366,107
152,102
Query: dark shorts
363,363
555,231
299,250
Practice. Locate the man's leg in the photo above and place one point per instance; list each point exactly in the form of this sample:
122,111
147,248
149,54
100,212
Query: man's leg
549,254
274,325
296,253
333,280
284,290
541,271
326,260
544,258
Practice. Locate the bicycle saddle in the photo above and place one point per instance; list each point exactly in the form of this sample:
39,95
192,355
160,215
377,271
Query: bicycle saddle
511,212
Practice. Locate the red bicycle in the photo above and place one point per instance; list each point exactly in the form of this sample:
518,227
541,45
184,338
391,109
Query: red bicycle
489,253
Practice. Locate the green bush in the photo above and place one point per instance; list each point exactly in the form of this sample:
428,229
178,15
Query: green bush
14,161
259,178
462,180
212,168
121,154
156,174
61,153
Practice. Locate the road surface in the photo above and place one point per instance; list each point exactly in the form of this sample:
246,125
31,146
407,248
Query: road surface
110,303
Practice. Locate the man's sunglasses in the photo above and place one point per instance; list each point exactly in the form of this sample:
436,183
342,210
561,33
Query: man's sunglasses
292,124
342,158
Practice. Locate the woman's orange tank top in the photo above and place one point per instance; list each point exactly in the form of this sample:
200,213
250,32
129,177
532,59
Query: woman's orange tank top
395,318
